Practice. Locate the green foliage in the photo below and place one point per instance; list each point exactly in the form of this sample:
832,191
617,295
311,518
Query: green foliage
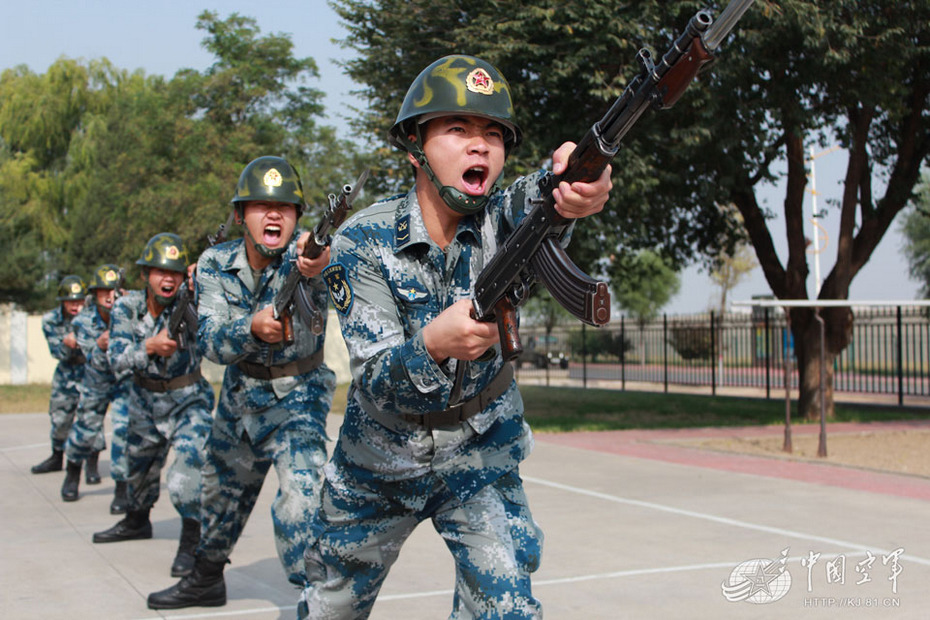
94,160
643,283
691,342
916,229
600,345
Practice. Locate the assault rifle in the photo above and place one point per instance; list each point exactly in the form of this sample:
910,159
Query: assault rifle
532,252
182,324
293,293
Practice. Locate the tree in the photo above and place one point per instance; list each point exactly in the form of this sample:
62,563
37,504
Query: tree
850,72
94,159
642,285
731,266
916,229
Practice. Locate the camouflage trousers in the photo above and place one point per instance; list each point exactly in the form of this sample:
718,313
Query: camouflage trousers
157,423
98,393
233,473
62,407
360,528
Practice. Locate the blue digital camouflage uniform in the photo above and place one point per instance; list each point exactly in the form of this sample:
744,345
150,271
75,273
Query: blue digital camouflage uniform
388,280
159,420
100,389
259,422
69,373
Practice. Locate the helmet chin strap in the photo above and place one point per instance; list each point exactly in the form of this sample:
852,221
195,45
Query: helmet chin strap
458,201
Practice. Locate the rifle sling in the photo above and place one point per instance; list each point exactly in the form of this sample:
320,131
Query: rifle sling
166,385
290,369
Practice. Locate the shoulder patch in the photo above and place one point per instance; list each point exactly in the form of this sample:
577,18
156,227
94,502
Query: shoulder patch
340,291
402,232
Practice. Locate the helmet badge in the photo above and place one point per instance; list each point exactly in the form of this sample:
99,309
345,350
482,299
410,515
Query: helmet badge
75,288
172,253
480,82
272,178
110,276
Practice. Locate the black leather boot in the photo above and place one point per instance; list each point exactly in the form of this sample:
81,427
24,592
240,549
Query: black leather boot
204,587
134,526
91,475
69,488
120,500
52,463
190,538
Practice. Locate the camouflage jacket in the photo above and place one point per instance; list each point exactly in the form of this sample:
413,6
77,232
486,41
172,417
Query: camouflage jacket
388,280
227,299
88,325
56,325
130,326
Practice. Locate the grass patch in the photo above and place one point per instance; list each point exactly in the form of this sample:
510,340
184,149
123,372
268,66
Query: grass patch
29,398
33,398
553,409
556,410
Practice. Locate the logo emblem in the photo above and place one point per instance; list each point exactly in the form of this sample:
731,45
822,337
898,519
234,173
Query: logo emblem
759,581
479,81
110,276
272,178
340,291
172,252
75,288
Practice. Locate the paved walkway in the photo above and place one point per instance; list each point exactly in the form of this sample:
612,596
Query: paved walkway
635,528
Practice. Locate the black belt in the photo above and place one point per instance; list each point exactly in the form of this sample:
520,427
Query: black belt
166,385
290,369
457,414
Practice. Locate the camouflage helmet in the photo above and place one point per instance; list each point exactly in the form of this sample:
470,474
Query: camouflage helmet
457,84
71,288
165,251
272,179
106,276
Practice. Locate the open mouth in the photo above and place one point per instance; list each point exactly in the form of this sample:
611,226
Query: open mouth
475,180
271,235
167,290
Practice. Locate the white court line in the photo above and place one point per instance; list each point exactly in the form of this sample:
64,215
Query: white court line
33,446
851,548
722,520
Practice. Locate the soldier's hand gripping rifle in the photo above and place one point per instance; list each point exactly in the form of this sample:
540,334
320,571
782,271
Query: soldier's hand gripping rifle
293,294
532,252
182,324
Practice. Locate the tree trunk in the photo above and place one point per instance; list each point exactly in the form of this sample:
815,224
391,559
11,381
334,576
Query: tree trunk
807,344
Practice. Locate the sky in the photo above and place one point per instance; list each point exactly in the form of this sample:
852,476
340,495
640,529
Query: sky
161,38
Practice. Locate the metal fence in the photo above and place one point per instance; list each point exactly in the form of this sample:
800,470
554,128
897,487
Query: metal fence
889,352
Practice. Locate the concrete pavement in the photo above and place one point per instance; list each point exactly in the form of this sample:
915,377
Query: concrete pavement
634,529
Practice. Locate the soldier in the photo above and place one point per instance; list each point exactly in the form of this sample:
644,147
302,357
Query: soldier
169,401
62,344
401,277
275,397
102,388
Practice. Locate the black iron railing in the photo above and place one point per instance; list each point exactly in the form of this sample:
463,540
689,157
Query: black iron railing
889,352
